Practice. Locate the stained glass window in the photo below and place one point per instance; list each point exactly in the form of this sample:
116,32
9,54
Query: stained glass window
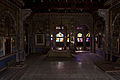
79,39
59,27
62,27
87,39
61,40
79,35
57,40
68,40
59,35
88,35
96,39
68,35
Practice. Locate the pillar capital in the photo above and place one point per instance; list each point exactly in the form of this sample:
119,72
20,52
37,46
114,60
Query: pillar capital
26,13
103,13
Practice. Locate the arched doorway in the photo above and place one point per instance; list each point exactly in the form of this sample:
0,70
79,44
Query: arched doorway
99,34
82,38
8,32
58,38
116,35
87,40
79,41
59,41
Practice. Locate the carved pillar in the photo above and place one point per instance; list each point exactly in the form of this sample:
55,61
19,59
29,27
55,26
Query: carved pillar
105,14
26,13
21,49
84,41
118,41
92,40
23,15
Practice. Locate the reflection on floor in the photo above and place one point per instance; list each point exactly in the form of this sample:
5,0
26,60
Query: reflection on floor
79,68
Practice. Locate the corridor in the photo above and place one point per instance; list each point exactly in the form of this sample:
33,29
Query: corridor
80,67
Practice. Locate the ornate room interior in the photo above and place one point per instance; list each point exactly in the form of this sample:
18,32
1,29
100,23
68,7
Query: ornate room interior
59,39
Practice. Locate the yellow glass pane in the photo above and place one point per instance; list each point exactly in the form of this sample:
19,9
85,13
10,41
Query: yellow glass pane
57,39
68,35
68,39
79,35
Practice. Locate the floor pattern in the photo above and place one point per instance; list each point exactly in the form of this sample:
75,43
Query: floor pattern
82,67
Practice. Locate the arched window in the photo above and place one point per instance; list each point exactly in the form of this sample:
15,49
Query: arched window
59,37
79,37
88,37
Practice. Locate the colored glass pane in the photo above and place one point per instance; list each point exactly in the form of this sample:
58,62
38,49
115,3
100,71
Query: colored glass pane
68,39
79,35
68,35
96,39
61,40
57,39
58,27
79,39
88,35
59,35
62,27
87,39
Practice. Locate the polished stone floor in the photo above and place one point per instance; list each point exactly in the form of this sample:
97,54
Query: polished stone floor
81,67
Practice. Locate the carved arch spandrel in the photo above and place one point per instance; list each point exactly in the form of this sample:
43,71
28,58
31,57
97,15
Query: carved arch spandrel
116,34
7,23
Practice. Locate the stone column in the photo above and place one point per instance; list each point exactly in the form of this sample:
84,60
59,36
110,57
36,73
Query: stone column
21,33
84,41
105,14
24,13
92,35
93,42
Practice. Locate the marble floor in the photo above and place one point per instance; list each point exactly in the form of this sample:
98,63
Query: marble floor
81,67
